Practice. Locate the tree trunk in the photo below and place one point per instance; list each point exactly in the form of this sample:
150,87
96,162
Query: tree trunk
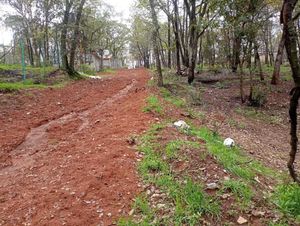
266,39
63,38
290,34
193,39
169,38
258,62
155,43
278,61
177,37
236,53
30,52
75,36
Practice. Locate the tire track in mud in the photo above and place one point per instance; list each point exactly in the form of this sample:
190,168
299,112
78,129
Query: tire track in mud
36,140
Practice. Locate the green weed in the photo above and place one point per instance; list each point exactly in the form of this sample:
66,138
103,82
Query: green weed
259,115
287,198
241,190
153,105
167,95
11,87
29,69
189,198
87,69
231,158
140,206
174,146
236,124
108,71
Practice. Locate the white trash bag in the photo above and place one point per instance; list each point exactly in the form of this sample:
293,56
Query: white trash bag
228,142
181,125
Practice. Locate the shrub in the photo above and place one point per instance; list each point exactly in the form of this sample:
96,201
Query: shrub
87,69
195,96
259,96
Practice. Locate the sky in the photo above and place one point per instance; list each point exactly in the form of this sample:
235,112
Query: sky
5,33
122,7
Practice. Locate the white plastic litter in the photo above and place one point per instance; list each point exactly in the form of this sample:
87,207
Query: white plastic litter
95,77
228,142
181,125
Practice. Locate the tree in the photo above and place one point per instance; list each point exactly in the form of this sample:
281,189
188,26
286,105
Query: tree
155,37
63,39
290,35
75,37
278,61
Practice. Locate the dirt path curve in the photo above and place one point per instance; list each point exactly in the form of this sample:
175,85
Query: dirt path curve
64,159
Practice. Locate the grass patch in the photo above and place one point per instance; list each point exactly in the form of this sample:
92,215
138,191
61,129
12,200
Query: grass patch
188,198
259,115
153,105
140,206
192,203
238,125
108,71
285,71
232,159
167,95
86,69
240,189
287,198
174,146
7,87
29,69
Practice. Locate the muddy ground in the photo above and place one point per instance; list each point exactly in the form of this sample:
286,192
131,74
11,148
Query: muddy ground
65,159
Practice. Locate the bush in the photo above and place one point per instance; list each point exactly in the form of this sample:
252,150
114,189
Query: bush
195,96
259,96
87,69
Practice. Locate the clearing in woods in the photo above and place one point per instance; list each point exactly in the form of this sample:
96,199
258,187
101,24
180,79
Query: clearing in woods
71,156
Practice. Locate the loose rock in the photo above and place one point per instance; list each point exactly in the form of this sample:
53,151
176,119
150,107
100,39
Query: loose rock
242,220
212,186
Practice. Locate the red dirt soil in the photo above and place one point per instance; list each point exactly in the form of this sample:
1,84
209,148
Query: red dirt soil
64,156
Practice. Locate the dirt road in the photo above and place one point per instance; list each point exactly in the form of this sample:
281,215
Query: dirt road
64,157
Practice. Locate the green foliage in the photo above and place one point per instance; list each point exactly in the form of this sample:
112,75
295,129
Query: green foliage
231,158
285,71
259,115
236,124
151,164
140,206
87,69
153,105
195,97
259,96
220,85
240,189
174,146
189,199
29,69
278,224
167,95
287,198
7,87
192,203
108,71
